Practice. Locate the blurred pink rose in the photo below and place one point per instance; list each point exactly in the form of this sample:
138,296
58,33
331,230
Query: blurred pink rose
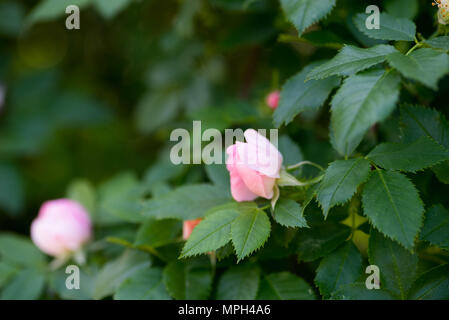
188,227
272,99
253,166
61,227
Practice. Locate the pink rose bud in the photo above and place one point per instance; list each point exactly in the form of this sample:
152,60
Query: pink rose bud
253,166
272,99
188,227
61,227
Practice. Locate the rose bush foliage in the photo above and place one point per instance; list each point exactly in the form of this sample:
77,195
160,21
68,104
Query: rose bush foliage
360,176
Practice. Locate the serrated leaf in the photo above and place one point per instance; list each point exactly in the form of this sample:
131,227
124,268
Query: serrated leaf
289,214
392,204
320,240
156,233
391,28
436,227
421,154
210,234
239,283
418,121
187,281
298,96
423,65
145,284
351,60
439,42
187,202
341,181
358,291
398,267
304,13
341,267
442,172
249,231
432,285
284,286
362,100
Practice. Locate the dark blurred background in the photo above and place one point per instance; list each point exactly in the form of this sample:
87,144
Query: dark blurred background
101,101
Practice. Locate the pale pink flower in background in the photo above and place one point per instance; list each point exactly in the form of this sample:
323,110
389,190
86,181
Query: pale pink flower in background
61,227
443,11
188,227
253,166
272,99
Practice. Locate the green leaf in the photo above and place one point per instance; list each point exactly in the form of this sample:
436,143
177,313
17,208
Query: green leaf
439,42
432,285
211,233
156,233
20,250
145,284
341,267
341,181
290,151
358,291
298,96
187,202
284,286
187,281
423,65
249,231
48,10
392,204
398,267
442,172
110,8
289,214
83,191
421,154
391,28
114,272
120,199
304,13
361,101
351,60
7,270
27,284
239,283
418,121
436,227
156,109
402,8
320,240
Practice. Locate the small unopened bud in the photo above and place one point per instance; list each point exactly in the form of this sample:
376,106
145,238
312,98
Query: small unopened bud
188,227
272,99
61,227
